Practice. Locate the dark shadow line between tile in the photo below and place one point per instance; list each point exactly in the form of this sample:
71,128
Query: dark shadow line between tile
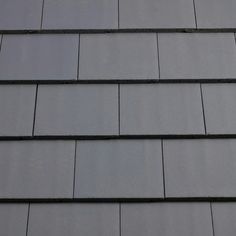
1,39
119,118
42,15
120,226
35,108
195,14
158,57
27,223
118,7
203,109
212,220
78,59
163,168
74,177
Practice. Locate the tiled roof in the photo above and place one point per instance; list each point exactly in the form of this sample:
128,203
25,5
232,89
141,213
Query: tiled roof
117,117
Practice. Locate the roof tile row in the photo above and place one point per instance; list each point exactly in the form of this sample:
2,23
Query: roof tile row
142,56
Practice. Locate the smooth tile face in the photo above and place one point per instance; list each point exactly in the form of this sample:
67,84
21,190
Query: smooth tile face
13,219
39,57
161,109
118,56
20,14
74,220
116,169
36,169
156,14
224,216
220,108
197,56
166,219
216,13
200,168
77,110
80,14
17,109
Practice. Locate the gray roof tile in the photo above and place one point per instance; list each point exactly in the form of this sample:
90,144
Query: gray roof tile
39,57
31,169
13,219
118,56
166,219
17,109
200,168
216,13
197,56
80,14
224,216
220,108
77,110
161,109
74,219
156,14
116,169
20,14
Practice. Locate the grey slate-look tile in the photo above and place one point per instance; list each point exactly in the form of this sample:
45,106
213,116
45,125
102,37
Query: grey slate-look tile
197,56
220,108
20,14
224,217
118,56
17,109
39,57
80,14
119,168
200,168
13,219
156,14
161,109
36,169
77,110
166,219
216,13
74,220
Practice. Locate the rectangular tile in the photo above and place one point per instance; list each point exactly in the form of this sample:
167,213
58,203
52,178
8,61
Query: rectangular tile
224,215
118,56
220,108
166,219
13,219
36,169
197,56
77,110
39,57
17,109
119,169
80,14
157,14
216,13
161,109
20,14
74,220
200,168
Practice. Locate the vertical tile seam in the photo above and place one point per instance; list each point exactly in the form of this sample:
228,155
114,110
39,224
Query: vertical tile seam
27,221
74,169
203,109
1,42
158,57
234,38
118,3
120,219
119,108
212,220
35,107
163,167
78,59
195,14
42,14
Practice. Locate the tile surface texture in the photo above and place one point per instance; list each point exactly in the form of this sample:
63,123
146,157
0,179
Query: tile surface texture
77,110
197,56
127,56
17,109
200,168
74,219
80,14
161,109
119,169
220,108
156,14
20,14
166,219
36,169
13,219
39,57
